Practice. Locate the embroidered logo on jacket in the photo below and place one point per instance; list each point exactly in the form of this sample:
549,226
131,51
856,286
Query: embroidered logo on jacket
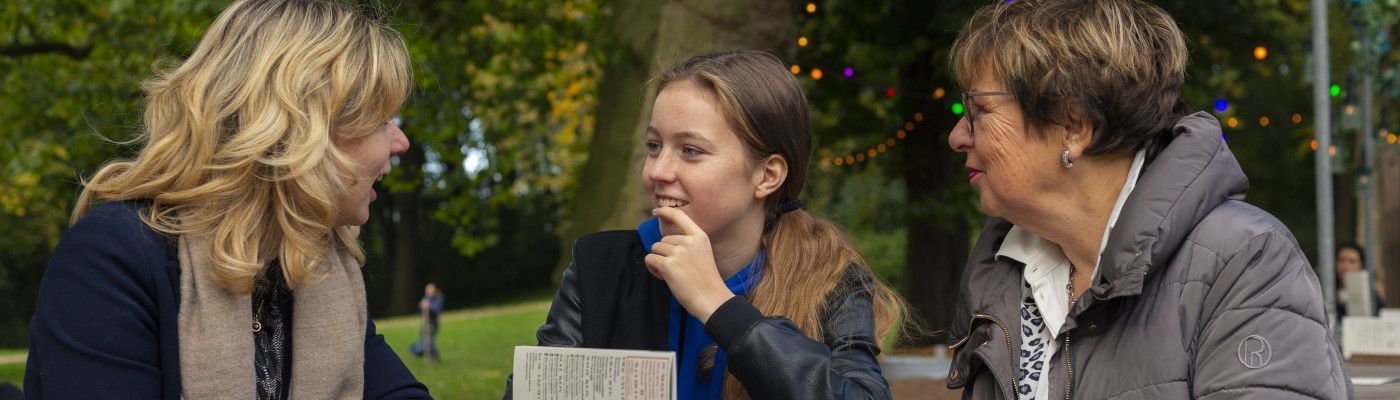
1254,352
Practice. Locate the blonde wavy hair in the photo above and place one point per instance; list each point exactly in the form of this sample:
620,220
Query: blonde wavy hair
240,139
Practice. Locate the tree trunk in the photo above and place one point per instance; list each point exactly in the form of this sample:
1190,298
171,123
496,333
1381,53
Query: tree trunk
938,233
1344,202
647,36
405,219
1387,177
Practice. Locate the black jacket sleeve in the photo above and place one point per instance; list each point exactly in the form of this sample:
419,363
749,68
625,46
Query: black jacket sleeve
774,360
385,375
94,334
563,326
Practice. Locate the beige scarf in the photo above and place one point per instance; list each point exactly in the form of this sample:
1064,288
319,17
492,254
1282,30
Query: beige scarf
216,335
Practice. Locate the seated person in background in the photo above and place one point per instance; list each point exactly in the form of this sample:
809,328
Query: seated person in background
758,297
225,262
1351,257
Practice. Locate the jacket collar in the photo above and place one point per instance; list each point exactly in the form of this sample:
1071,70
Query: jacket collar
1176,190
1195,173
1190,177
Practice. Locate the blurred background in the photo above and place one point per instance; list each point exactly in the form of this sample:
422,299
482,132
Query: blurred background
527,117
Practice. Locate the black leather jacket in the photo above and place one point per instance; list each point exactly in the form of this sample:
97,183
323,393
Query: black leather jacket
626,307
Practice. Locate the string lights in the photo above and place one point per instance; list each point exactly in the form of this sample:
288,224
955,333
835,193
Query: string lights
870,153
866,153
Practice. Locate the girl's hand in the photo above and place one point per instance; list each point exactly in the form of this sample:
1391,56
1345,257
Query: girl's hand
687,264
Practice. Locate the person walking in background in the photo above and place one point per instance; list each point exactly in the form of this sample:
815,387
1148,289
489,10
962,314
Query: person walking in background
758,297
1120,259
225,261
429,307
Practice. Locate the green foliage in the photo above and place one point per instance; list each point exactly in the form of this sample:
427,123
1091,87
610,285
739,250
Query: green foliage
872,210
884,252
499,119
12,373
1380,21
881,44
510,85
513,82
69,77
1222,37
1278,157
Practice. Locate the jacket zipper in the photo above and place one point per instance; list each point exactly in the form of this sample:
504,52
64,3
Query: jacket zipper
1005,333
1069,370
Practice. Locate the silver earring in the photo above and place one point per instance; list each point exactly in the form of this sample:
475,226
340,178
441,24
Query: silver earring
1064,158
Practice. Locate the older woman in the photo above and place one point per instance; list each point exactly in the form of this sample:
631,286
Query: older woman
225,262
1120,259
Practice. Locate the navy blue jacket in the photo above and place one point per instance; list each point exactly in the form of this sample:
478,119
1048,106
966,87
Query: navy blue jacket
106,327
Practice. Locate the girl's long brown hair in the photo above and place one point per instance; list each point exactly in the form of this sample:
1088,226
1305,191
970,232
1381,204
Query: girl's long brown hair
808,255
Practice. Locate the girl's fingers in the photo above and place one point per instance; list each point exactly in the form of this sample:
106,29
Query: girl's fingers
654,264
673,239
663,249
679,219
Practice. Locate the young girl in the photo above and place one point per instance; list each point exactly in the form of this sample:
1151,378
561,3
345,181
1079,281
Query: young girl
757,297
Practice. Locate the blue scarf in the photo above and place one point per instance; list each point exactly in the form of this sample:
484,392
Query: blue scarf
687,335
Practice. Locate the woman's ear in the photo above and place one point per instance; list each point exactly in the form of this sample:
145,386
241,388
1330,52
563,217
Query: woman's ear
772,171
1078,135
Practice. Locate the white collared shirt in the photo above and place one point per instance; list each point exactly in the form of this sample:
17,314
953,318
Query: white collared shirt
1046,274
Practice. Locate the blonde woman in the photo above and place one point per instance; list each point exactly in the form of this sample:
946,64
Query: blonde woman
224,262
758,297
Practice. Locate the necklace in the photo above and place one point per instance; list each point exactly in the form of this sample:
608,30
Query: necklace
261,307
264,295
271,339
1069,287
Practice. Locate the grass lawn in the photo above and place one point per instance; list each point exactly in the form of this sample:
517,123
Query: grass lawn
13,373
476,347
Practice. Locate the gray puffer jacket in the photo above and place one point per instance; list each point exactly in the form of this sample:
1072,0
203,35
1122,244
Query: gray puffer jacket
1199,295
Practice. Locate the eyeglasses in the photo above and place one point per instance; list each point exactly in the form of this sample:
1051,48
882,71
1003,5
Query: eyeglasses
968,108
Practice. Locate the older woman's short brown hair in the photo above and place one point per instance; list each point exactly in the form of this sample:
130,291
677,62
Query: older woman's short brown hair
1117,64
